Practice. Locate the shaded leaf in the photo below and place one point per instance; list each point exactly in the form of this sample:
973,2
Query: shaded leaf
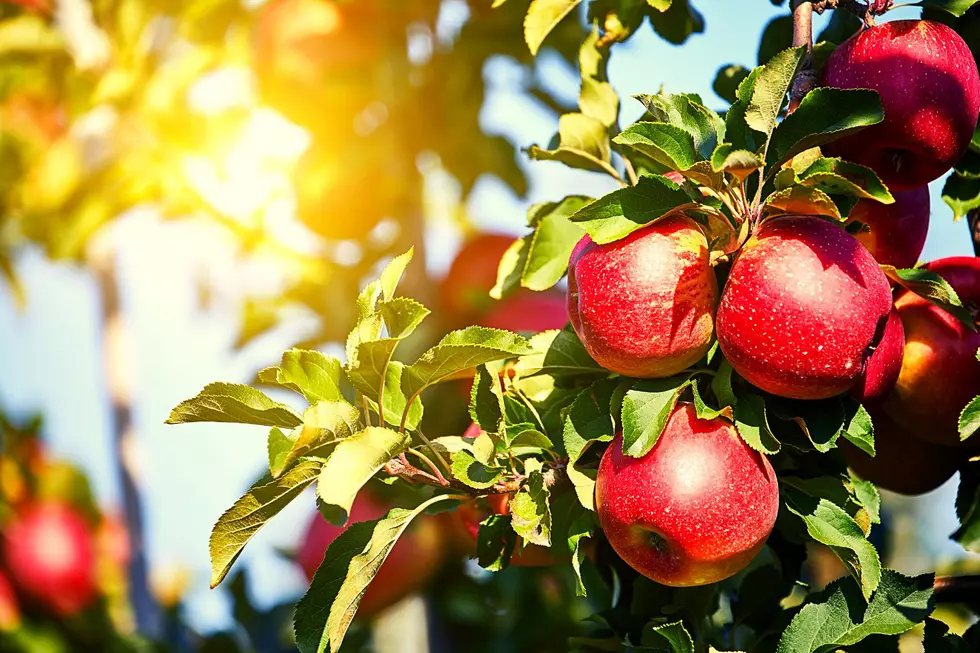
752,425
933,287
646,408
969,420
472,472
495,542
839,177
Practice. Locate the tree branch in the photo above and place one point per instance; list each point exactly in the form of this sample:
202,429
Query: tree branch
973,220
956,589
806,79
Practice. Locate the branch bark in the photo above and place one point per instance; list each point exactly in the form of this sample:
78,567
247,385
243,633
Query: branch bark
806,79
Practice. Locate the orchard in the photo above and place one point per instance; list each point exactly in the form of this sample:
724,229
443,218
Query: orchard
657,419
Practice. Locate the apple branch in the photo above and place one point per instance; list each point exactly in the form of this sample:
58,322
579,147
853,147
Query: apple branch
806,79
973,220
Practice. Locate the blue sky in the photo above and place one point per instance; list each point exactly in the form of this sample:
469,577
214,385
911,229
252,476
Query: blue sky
50,360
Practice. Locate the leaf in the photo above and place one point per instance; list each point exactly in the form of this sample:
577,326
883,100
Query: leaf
969,420
867,495
495,542
558,353
542,17
666,144
583,143
393,273
278,447
899,604
955,7
589,421
752,426
678,22
771,88
705,412
581,528
551,243
458,351
829,524
324,425
933,287
687,112
737,130
740,163
402,315
472,472
727,80
236,404
822,421
352,464
530,512
802,200
968,508
262,502
314,375
486,399
623,211
29,34
646,409
961,194
858,429
510,269
670,638
721,384
659,5
824,115
597,97
839,177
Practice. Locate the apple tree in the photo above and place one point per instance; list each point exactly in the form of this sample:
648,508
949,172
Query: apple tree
751,352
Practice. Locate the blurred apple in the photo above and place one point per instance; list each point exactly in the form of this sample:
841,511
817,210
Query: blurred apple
465,290
9,610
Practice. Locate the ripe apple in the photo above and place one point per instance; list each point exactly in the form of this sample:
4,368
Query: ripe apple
898,231
695,510
803,308
940,372
528,311
902,463
884,364
930,90
643,306
467,520
465,290
9,609
412,561
50,553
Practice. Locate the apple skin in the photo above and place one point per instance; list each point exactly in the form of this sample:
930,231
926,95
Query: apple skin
50,554
9,609
803,307
883,366
902,463
695,510
644,305
940,372
410,564
898,231
930,90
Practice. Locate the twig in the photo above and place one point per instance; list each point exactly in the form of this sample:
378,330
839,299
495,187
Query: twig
630,172
435,470
806,79
435,452
956,589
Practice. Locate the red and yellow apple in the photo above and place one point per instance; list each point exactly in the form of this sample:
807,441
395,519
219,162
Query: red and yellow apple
9,608
897,231
882,367
644,305
940,372
50,553
410,564
804,307
694,510
929,86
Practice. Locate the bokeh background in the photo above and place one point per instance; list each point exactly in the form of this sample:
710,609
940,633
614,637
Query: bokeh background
189,188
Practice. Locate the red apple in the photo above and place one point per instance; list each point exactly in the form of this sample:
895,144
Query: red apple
898,231
644,305
884,364
930,91
902,463
50,553
527,311
412,561
940,372
9,609
695,510
803,308
465,290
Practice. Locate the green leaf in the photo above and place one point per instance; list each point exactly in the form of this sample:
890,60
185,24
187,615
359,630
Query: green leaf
262,502
802,200
727,80
458,351
934,288
670,638
867,495
314,375
666,144
597,97
473,473
740,163
511,267
29,34
583,143
278,447
542,17
646,409
752,425
354,461
324,425
824,115
552,242
486,399
961,194
558,353
829,524
678,22
530,511
659,5
771,87
858,429
234,403
955,7
721,385
822,421
969,420
839,177
968,508
402,315
899,604
495,542
582,527
393,273
623,211
737,130
706,412
589,421
687,112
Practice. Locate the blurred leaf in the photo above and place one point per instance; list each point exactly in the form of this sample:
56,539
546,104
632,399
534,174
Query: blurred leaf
28,34
727,80
583,143
233,403
678,22
542,17
646,408
842,25
597,98
262,502
776,37
354,461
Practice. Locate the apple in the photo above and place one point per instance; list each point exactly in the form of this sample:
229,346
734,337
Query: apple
804,306
884,364
410,564
930,90
898,231
644,305
9,609
528,311
694,510
940,372
50,554
465,290
468,517
902,463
